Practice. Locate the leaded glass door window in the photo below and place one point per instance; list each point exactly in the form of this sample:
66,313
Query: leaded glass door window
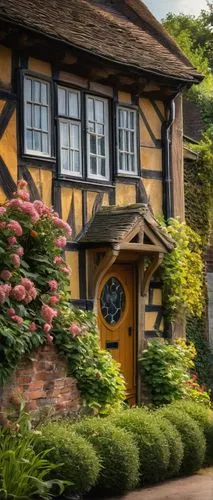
112,301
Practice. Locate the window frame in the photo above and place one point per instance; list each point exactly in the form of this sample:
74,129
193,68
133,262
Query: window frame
28,152
124,173
107,141
69,120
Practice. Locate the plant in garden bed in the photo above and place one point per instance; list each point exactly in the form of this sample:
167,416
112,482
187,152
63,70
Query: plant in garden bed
35,303
24,473
167,372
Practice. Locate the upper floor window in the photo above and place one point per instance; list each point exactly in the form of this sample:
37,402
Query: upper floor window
97,123
70,131
127,141
36,117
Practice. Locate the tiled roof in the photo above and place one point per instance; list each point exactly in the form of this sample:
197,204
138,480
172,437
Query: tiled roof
123,31
112,225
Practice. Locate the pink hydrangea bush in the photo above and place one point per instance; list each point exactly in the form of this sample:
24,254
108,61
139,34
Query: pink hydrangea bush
35,303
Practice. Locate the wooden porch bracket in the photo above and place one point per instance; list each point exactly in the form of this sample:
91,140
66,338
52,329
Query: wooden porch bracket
156,262
108,260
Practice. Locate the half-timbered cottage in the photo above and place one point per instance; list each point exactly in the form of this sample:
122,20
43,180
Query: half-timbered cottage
91,117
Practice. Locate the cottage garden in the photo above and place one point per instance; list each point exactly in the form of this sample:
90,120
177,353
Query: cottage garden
107,448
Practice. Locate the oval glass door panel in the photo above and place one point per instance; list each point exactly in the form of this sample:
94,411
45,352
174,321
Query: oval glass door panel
112,301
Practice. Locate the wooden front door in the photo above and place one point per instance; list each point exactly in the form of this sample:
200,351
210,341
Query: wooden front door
116,317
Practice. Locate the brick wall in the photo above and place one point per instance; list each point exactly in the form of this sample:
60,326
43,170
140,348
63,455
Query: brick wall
41,381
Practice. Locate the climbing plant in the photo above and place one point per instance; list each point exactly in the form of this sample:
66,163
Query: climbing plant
35,303
182,273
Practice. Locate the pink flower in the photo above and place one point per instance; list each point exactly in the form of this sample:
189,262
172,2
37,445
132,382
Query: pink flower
6,289
2,210
24,195
31,292
65,270
18,293
2,296
32,327
60,242
48,313
58,260
49,339
20,251
17,319
53,284
62,225
15,259
16,203
53,300
5,275
14,226
21,184
11,241
29,209
27,283
74,329
11,312
47,328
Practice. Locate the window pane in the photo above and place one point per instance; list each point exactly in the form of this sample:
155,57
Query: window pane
64,135
64,159
131,162
93,144
132,142
126,141
93,165
121,135
37,141
100,129
120,118
61,101
29,139
99,111
74,138
91,114
76,164
91,127
73,104
44,118
44,96
37,116
29,115
28,89
131,120
36,94
102,166
101,146
45,147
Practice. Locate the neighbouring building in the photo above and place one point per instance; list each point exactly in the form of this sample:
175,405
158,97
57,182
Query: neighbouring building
91,117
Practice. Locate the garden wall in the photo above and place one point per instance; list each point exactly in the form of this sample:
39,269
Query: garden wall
41,380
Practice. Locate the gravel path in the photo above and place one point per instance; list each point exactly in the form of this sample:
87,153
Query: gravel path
197,487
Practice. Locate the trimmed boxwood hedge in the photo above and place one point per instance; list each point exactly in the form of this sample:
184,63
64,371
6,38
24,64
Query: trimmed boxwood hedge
203,415
175,444
117,452
151,441
76,457
192,437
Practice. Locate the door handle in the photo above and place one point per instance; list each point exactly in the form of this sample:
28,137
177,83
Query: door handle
130,331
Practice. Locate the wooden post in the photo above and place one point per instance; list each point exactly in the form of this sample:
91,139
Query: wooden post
177,161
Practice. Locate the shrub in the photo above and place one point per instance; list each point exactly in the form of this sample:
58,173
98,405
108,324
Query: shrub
23,471
35,303
192,438
175,446
166,371
117,451
151,442
204,418
76,458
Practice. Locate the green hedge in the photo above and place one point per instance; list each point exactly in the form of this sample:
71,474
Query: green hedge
79,463
117,452
192,437
203,415
175,444
151,441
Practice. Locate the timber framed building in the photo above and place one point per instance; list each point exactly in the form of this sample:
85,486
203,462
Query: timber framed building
91,117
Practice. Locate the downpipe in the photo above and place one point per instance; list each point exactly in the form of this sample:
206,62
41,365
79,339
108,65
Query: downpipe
167,159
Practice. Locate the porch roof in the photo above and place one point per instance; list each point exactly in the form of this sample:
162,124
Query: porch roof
119,225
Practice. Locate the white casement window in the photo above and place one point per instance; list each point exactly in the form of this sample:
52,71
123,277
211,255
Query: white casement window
127,141
70,131
97,123
37,117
